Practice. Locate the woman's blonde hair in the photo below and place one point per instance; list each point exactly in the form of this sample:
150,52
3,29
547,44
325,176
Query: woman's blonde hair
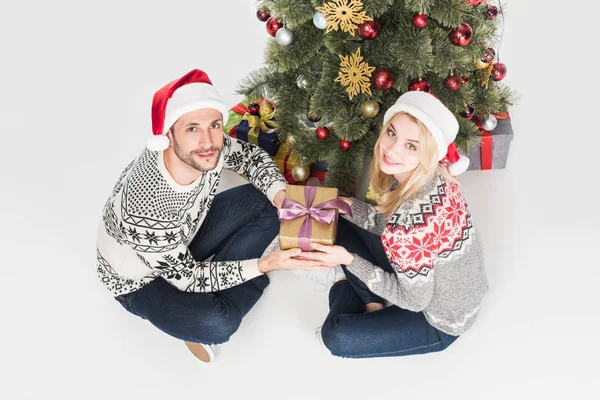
389,200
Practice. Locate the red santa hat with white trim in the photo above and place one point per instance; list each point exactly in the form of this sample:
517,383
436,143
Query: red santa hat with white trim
191,92
440,121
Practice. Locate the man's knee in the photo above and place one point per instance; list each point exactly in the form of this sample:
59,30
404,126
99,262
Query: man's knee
216,328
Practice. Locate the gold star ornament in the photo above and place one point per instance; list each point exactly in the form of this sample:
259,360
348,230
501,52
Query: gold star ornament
355,74
346,14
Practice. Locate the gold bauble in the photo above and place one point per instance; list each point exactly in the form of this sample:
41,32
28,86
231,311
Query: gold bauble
300,172
290,140
481,65
370,108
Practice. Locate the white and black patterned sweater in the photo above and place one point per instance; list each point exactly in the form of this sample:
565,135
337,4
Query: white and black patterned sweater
149,221
435,252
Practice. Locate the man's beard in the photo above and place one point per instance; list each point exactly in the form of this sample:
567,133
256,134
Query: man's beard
190,160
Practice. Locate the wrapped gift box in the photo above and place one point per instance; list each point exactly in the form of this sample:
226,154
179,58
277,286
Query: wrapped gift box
309,215
493,152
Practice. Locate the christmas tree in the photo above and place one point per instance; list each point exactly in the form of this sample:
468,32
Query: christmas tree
333,67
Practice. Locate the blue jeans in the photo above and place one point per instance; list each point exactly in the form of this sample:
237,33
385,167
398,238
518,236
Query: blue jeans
239,225
393,331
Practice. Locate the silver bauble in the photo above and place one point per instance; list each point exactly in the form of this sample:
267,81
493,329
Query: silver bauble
489,122
320,20
302,82
284,36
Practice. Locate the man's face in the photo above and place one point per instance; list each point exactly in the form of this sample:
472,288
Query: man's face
197,138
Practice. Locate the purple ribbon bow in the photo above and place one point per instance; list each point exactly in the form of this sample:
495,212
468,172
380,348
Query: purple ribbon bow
323,213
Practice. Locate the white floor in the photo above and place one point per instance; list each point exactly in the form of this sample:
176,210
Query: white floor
76,83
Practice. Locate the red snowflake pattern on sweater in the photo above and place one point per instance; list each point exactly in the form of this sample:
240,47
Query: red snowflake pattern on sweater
436,224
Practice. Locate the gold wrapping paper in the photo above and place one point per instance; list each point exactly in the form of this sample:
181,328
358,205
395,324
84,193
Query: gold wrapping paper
321,233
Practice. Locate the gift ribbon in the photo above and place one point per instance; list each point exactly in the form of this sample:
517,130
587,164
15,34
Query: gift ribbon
487,143
260,123
323,213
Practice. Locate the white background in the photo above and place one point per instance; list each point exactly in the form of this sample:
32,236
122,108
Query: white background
76,83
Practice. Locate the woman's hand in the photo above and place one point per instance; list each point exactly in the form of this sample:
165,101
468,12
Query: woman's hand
286,259
328,255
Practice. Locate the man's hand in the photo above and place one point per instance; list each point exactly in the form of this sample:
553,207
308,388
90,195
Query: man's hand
278,200
328,255
284,259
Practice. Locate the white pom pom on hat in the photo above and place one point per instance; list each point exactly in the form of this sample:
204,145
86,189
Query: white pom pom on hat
458,162
193,91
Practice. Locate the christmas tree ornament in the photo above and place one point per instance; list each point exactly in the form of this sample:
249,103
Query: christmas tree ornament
313,117
300,172
452,83
461,36
344,14
301,82
492,12
474,2
368,30
419,85
253,108
489,122
469,112
355,74
262,16
322,132
420,20
489,55
345,145
370,108
383,78
290,141
498,71
479,64
273,26
284,37
465,79
320,20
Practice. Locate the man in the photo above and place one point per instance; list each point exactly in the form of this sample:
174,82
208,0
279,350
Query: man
163,220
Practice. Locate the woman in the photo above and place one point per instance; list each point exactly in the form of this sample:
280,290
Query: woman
416,252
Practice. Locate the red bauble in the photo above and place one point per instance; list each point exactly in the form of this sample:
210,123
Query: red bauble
489,55
253,108
345,145
498,71
420,20
452,83
469,112
273,26
383,78
461,36
465,79
474,2
368,30
322,132
262,15
419,85
492,12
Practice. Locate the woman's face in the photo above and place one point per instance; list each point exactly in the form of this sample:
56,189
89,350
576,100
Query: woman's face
399,147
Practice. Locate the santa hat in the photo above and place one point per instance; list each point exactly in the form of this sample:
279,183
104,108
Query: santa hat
192,91
438,119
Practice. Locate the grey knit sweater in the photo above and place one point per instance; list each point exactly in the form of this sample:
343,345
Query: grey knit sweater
435,252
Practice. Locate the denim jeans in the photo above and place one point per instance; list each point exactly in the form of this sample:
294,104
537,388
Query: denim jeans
239,225
350,332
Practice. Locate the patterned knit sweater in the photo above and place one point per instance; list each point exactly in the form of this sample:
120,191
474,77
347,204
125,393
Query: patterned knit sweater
149,221
435,252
